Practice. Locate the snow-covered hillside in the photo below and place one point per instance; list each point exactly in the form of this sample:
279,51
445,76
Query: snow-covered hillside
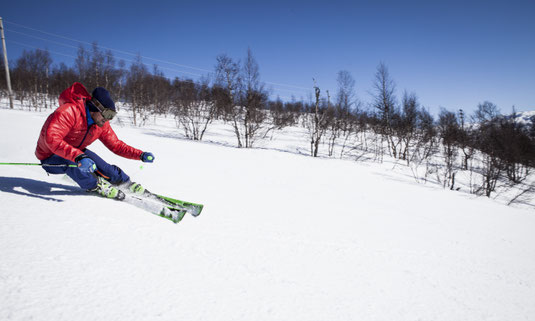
283,236
526,117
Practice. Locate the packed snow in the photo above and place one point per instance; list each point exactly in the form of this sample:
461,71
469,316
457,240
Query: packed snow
283,236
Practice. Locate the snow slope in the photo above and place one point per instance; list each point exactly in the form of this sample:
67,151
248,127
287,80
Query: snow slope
526,117
282,237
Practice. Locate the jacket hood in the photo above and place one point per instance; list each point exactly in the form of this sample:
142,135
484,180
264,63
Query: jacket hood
74,94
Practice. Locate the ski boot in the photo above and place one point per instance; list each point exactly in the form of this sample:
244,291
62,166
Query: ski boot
105,189
134,188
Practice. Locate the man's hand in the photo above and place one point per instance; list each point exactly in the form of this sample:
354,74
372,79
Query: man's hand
86,164
147,157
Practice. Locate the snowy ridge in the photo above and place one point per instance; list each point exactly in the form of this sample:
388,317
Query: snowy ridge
526,117
283,237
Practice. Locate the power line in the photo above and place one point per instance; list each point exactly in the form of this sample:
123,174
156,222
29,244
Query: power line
292,86
110,65
112,49
32,46
70,56
126,59
133,54
44,39
295,88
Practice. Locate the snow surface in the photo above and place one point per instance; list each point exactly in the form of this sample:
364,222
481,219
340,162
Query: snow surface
283,236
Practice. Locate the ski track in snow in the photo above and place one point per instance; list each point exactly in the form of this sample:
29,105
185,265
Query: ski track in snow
282,237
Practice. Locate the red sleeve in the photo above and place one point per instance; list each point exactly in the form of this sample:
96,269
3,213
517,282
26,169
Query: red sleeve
110,140
63,119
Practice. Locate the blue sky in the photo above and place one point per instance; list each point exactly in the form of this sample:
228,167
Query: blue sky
452,54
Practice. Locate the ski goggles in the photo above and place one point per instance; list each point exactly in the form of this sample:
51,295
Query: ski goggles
107,113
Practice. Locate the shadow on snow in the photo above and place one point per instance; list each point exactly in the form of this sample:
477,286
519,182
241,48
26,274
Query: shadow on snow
38,189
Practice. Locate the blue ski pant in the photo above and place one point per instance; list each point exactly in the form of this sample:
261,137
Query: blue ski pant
112,173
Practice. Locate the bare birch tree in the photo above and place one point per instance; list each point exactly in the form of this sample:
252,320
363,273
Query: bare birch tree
315,123
195,107
385,104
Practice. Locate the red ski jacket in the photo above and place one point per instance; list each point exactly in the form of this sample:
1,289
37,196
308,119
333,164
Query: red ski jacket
66,134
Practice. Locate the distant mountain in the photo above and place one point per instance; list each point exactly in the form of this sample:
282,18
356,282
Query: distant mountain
526,118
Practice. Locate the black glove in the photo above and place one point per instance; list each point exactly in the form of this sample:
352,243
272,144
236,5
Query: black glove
147,157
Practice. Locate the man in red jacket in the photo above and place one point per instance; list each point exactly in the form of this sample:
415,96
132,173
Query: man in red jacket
79,121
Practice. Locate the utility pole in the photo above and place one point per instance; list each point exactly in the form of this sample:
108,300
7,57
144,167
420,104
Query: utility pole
6,65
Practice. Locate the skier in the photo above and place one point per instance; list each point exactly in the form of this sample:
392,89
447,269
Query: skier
81,119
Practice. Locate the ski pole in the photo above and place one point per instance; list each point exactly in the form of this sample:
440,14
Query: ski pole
38,164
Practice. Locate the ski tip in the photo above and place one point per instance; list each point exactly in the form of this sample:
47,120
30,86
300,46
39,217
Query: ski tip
196,209
192,208
172,215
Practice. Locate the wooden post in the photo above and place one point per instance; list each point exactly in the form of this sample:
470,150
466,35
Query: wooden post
6,65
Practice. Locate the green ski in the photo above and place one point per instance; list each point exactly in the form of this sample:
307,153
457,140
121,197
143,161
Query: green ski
171,213
192,208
